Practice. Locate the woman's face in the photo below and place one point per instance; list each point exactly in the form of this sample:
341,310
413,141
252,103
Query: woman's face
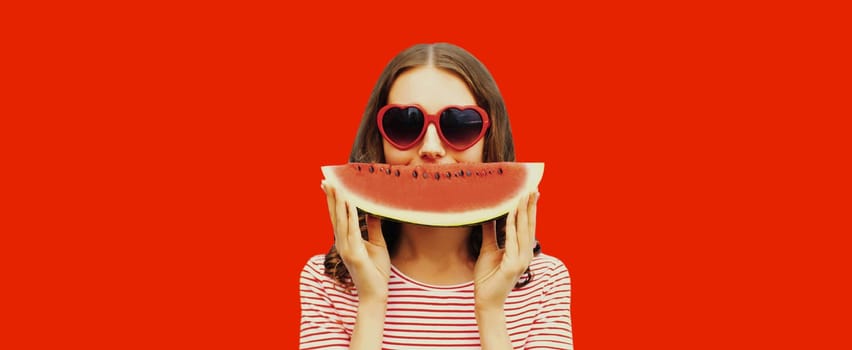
433,89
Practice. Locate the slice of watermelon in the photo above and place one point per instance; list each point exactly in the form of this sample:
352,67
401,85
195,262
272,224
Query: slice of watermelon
435,195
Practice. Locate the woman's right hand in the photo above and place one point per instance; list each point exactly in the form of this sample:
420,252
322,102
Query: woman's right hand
368,262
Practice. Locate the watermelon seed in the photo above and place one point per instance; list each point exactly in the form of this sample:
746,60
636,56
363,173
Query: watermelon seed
397,172
358,167
388,171
414,173
490,171
500,171
467,173
371,169
437,176
449,174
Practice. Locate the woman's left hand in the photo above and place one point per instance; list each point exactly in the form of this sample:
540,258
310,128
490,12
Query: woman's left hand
498,270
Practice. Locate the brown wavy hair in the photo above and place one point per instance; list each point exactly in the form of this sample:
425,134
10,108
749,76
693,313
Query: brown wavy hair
367,148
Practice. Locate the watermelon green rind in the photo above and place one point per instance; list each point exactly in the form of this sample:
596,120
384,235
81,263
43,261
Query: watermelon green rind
482,192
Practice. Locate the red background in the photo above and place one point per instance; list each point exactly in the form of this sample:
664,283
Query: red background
162,163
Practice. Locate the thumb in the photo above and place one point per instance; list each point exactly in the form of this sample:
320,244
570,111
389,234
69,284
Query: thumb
489,236
374,230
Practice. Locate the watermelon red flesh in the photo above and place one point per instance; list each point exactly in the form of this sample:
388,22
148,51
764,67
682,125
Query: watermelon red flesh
439,195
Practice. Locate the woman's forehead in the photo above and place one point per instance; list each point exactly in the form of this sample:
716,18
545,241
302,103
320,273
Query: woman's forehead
430,87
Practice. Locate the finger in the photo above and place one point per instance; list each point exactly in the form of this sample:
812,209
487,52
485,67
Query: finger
511,245
523,230
374,230
329,199
533,207
489,236
341,224
354,227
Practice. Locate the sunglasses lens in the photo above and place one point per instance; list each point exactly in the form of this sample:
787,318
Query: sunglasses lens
403,125
461,127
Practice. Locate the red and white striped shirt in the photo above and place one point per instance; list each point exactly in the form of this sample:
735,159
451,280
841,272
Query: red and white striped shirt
422,316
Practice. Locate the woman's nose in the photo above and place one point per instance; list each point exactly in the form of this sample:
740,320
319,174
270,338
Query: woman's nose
432,147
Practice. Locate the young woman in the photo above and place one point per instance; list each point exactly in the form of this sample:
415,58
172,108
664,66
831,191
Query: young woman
389,285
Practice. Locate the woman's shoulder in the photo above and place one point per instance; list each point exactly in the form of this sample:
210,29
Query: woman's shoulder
543,264
315,267
318,259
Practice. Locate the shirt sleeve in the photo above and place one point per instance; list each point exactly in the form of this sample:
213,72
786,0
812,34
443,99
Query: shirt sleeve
321,326
552,326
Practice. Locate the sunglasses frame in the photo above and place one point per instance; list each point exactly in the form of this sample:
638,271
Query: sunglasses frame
433,119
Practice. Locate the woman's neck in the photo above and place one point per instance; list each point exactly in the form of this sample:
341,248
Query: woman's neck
434,255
